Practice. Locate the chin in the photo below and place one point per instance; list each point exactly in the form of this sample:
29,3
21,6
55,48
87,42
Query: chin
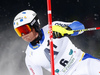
28,40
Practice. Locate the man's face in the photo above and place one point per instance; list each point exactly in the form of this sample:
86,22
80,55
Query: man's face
30,36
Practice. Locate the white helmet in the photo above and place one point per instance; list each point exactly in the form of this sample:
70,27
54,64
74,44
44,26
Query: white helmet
26,19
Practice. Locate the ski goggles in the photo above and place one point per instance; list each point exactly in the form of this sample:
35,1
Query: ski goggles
25,29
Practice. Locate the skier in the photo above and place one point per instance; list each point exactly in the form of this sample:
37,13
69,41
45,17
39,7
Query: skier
68,59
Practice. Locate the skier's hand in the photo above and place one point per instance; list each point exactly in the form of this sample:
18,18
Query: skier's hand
56,35
59,31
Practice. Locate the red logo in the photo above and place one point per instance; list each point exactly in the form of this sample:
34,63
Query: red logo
31,70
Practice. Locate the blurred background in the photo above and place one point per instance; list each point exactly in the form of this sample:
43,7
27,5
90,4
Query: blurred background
12,48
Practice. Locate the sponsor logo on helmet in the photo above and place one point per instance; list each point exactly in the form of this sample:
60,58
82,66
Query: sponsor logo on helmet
17,23
14,23
34,14
25,17
23,12
18,18
21,20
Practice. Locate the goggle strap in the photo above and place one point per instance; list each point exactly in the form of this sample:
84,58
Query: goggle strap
33,21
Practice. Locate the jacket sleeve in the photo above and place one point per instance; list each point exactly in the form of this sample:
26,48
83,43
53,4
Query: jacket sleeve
32,68
75,25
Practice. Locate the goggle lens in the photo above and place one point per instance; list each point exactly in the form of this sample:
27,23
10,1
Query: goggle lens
25,29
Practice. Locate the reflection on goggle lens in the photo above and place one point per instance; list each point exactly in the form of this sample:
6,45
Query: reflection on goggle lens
25,29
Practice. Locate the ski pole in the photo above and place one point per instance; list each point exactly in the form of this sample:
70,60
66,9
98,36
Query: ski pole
51,36
88,29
